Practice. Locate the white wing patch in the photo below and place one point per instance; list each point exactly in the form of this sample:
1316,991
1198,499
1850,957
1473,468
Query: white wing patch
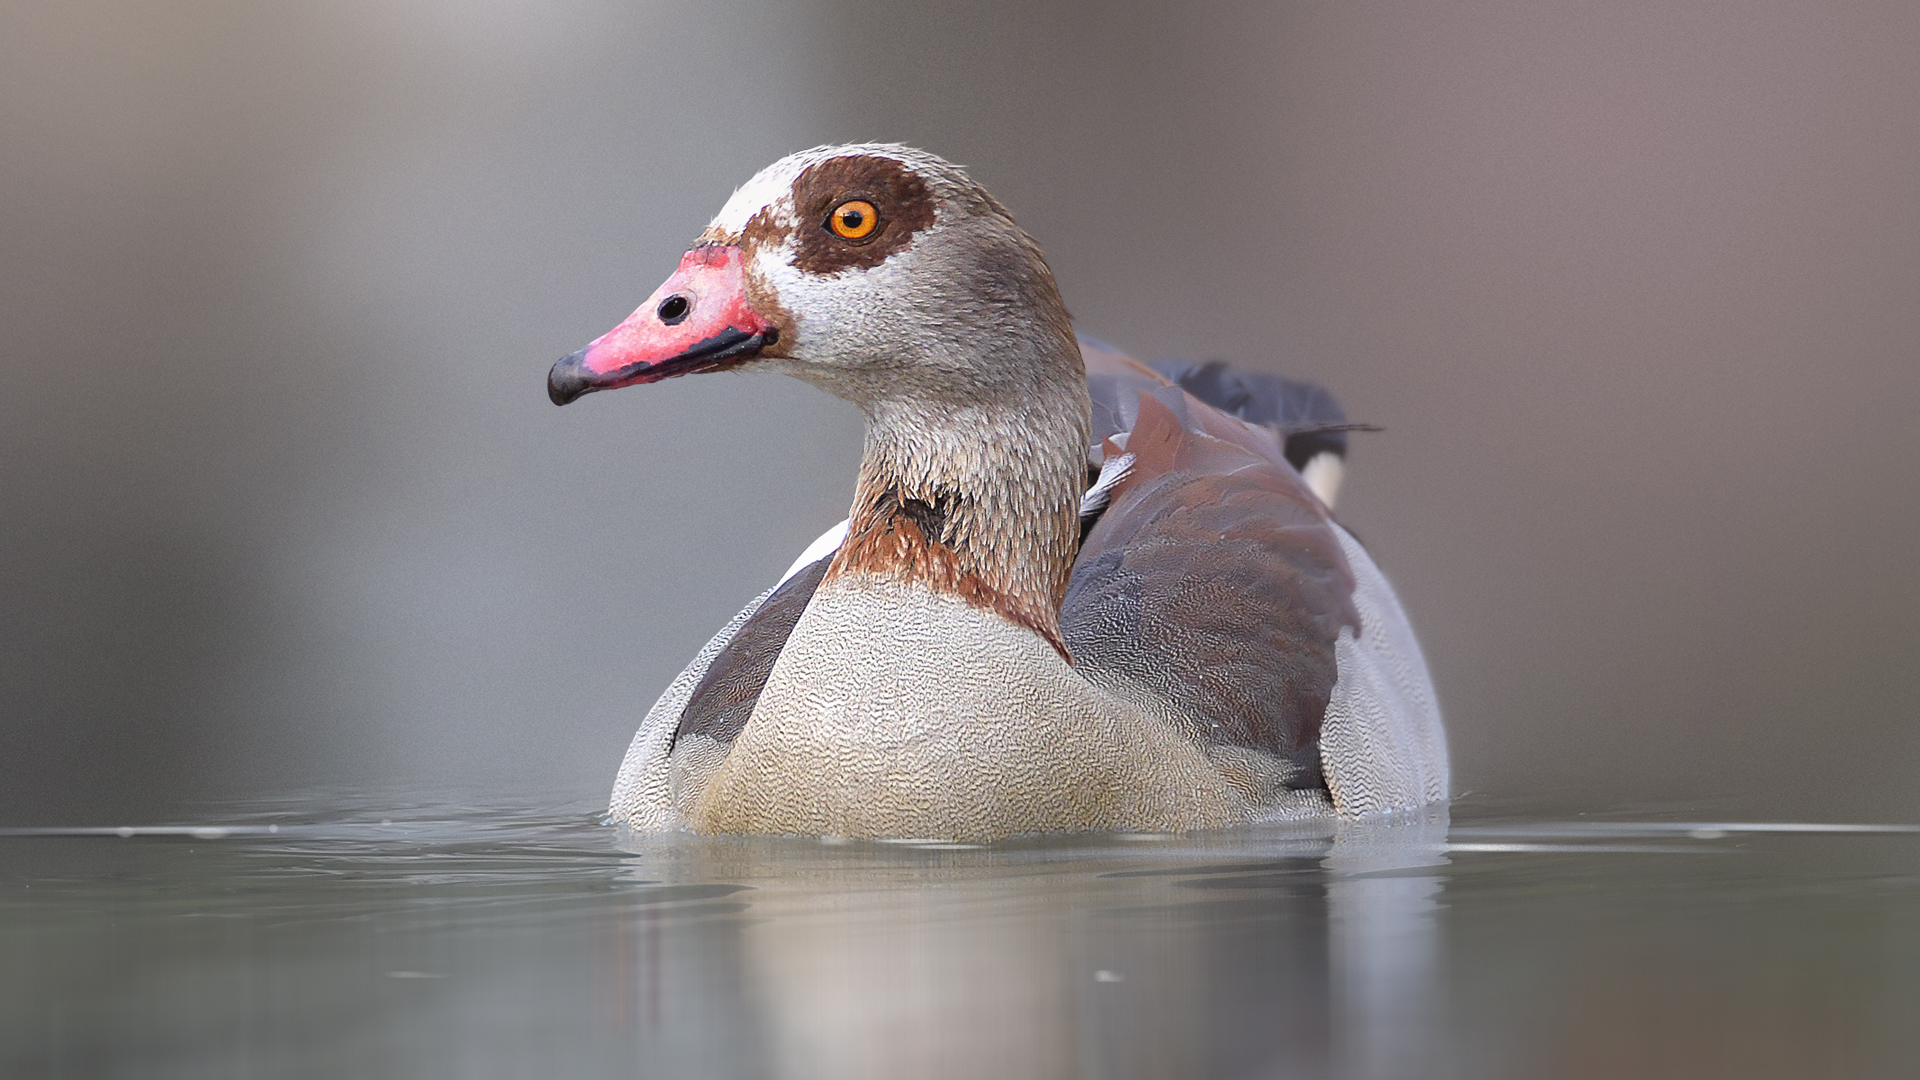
1323,474
828,543
1112,471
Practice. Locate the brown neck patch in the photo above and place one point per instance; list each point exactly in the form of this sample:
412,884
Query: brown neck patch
910,539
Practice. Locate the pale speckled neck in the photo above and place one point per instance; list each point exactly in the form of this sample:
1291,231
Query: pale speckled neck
979,500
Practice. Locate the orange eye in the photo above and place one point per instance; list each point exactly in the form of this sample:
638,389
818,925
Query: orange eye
854,219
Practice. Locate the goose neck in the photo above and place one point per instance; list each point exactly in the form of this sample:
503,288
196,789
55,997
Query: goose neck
973,500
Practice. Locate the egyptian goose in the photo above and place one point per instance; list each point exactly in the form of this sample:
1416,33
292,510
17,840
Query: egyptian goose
1070,595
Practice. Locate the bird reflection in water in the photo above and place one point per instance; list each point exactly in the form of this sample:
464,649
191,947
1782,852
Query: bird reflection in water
1293,948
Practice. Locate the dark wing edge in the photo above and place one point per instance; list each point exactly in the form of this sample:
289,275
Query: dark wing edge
1304,413
713,695
719,706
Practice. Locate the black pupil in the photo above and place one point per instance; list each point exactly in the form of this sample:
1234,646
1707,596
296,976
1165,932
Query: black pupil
852,219
672,308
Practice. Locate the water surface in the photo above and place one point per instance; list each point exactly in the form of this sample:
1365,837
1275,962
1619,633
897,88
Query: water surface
333,936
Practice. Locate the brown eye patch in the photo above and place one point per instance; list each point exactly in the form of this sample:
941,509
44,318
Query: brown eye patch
890,201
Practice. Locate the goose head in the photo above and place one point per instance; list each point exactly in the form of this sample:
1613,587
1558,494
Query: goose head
879,273
887,277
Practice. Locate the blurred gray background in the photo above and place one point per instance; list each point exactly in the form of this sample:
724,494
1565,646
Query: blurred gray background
1633,287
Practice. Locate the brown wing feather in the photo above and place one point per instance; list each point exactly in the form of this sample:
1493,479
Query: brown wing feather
1115,382
1214,585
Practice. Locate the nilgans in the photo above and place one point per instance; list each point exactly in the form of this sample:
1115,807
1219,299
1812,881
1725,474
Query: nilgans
1071,594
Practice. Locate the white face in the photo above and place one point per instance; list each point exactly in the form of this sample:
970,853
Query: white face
851,318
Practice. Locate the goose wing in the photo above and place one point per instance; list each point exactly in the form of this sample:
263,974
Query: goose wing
1213,589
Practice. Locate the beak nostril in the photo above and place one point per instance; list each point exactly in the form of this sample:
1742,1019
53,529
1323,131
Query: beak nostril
673,309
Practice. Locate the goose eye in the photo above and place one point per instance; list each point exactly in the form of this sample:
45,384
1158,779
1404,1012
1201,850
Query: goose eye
854,219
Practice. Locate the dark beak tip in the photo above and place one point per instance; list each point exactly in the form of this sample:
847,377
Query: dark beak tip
568,381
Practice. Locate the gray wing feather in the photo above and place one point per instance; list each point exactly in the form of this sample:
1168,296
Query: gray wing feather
724,698
688,731
1382,746
642,795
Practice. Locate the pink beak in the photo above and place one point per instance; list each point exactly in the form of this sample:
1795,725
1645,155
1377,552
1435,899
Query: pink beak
699,320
